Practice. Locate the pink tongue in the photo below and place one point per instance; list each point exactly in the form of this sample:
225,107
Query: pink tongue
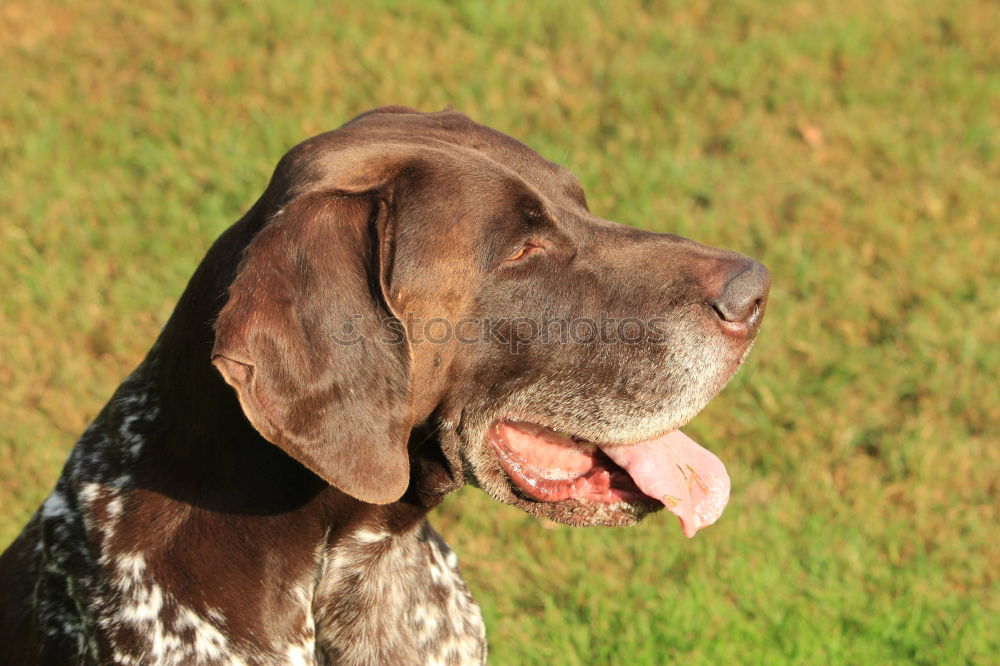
689,479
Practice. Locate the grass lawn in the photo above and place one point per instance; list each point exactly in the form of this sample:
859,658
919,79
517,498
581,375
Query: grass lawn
850,146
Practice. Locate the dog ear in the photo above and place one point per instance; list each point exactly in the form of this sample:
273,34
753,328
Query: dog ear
306,340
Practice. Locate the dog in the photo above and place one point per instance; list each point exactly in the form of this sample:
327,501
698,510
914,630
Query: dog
414,303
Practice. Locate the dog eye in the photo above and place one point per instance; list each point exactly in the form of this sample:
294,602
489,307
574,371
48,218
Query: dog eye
524,251
518,253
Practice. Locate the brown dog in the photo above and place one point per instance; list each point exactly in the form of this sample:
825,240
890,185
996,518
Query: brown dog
415,302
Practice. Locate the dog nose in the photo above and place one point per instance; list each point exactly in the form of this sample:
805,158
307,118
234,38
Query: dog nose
740,306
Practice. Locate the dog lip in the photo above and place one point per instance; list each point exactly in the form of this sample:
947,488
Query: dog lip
574,469
737,329
623,441
671,469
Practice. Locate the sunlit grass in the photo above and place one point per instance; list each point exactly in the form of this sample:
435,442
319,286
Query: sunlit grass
852,148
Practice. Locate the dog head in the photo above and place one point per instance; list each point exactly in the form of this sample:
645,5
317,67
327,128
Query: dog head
422,271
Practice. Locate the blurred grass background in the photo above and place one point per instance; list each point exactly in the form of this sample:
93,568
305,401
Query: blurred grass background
852,147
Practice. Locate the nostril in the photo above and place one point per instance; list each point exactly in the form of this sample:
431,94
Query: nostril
742,299
735,313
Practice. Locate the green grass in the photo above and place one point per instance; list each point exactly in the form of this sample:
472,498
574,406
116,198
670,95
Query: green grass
851,146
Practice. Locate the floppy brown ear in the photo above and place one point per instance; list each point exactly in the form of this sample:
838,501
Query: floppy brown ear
303,341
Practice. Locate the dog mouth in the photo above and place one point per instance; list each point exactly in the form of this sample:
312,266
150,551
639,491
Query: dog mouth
672,470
